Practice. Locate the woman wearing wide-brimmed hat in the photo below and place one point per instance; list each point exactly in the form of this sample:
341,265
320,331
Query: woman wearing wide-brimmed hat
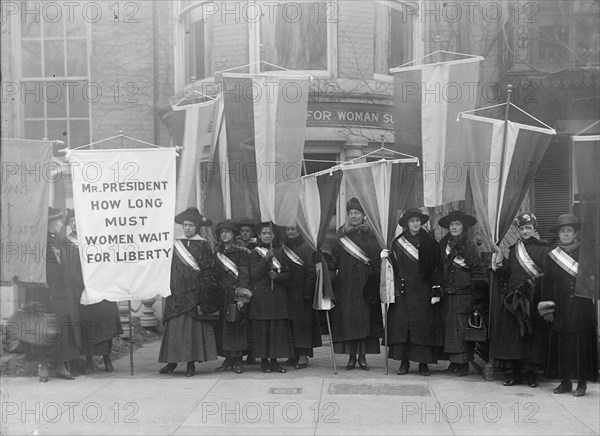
186,338
356,320
517,341
232,264
269,326
415,329
464,287
572,347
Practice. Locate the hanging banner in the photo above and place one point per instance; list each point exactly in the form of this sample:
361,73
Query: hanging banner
586,161
26,176
427,100
265,120
125,203
197,142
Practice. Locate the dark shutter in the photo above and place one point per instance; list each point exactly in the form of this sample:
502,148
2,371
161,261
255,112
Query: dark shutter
552,187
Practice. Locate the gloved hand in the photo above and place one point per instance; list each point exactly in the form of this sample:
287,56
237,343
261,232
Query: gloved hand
549,317
435,300
497,261
385,253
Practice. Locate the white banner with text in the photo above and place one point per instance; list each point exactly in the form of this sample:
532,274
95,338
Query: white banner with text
124,205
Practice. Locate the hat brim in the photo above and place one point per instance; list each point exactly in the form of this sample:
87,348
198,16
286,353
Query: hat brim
403,221
226,226
465,219
197,220
555,229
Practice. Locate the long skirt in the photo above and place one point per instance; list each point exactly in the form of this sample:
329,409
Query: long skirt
456,309
572,355
270,338
414,352
367,345
186,339
234,338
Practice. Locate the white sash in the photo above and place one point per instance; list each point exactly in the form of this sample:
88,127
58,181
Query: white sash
263,252
526,262
292,256
228,265
354,250
565,261
459,260
409,249
184,255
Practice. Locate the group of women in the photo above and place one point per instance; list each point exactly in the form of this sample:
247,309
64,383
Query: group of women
267,289
261,289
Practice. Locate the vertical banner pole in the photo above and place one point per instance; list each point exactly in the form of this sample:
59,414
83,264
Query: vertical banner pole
387,347
130,339
331,343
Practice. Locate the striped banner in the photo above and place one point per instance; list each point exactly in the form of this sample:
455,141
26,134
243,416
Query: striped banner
499,182
265,120
384,190
197,142
427,100
318,197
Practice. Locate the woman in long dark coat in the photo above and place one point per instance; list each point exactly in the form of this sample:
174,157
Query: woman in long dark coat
415,329
186,338
518,334
356,323
269,327
464,288
59,300
100,322
572,348
301,290
233,271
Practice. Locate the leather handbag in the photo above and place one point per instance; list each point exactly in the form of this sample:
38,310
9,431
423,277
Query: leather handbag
35,328
233,313
476,330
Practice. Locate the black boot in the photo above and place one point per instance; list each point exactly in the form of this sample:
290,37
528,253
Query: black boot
564,386
515,380
351,362
169,367
581,387
191,369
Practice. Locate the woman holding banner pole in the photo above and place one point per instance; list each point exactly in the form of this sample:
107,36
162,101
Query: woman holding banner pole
186,338
356,319
269,327
100,322
415,329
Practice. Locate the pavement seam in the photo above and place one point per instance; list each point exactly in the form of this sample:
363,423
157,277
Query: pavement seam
553,397
196,405
438,402
319,406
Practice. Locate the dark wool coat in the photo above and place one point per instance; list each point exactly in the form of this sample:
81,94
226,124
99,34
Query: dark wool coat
572,313
233,335
266,303
413,313
100,321
464,291
353,317
63,302
507,342
188,285
301,291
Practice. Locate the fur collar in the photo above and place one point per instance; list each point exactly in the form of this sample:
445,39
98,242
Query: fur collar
347,229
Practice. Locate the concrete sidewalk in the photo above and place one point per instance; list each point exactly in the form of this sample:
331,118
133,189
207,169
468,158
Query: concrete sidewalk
310,401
